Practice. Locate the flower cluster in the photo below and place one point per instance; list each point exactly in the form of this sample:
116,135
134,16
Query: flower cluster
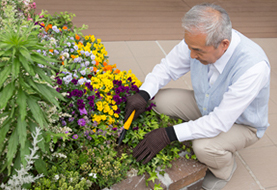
95,91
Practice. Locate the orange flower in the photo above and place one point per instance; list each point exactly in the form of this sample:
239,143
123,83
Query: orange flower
108,68
48,27
105,64
42,24
64,27
117,71
94,69
97,63
77,37
62,63
80,43
51,50
73,56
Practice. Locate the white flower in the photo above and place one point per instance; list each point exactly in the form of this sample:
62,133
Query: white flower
81,81
53,41
87,63
57,177
83,72
68,44
92,57
93,174
66,55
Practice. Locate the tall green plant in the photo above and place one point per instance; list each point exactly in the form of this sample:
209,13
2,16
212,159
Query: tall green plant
23,84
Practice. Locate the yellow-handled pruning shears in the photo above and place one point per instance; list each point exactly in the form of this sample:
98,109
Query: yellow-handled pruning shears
126,127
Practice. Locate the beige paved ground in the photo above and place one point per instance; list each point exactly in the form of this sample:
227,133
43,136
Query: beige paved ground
257,165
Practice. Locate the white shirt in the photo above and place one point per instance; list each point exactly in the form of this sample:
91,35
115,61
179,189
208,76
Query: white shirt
234,101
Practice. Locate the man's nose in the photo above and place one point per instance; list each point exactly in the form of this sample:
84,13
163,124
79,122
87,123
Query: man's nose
193,54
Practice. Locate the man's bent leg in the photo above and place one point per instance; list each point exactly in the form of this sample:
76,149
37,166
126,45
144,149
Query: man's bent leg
177,103
217,152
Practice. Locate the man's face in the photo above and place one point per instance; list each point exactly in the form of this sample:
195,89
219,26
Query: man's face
205,54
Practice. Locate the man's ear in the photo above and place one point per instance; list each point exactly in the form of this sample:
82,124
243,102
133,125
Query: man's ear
225,44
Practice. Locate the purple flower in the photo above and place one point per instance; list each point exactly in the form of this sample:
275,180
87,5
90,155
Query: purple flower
82,122
80,93
117,99
80,102
83,111
123,99
91,103
98,94
114,129
58,89
75,136
117,111
70,105
81,106
63,123
129,79
150,107
117,90
89,86
74,81
91,98
59,81
75,92
136,128
71,119
135,88
95,124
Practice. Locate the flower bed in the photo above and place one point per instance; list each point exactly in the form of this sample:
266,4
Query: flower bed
66,97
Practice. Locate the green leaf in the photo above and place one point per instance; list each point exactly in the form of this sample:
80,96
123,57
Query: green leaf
3,132
50,94
153,176
5,73
21,101
15,68
36,110
26,65
22,132
6,94
40,166
38,58
42,74
41,144
12,146
25,151
158,187
25,53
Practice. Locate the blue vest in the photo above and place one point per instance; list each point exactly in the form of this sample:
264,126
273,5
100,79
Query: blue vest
246,54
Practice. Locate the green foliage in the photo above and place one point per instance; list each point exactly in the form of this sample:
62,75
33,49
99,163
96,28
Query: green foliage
22,85
58,19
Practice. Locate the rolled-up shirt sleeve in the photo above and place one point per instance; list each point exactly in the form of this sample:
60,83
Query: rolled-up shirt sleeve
173,66
234,102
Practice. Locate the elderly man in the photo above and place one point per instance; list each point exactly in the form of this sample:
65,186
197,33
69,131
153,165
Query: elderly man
226,111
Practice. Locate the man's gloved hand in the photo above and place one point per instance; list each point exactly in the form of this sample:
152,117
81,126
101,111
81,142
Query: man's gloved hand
136,102
152,143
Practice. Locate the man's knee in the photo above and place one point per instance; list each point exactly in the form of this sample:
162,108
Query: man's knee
200,148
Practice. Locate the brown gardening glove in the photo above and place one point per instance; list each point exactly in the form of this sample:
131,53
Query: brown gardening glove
152,143
136,102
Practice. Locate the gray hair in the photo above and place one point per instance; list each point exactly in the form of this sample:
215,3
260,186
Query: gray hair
209,19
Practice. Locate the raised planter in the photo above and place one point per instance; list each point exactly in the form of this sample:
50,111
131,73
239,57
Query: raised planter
183,175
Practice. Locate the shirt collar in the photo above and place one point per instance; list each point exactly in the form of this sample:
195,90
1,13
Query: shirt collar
223,60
